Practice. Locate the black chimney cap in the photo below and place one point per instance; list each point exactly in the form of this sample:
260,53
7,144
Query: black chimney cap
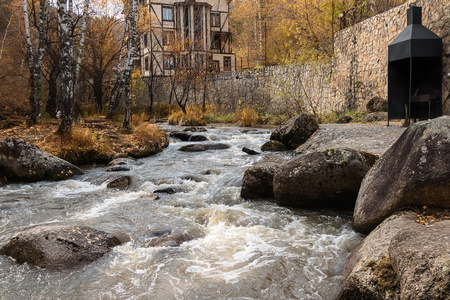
415,40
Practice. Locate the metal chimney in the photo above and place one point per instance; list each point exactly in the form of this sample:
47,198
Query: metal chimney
414,71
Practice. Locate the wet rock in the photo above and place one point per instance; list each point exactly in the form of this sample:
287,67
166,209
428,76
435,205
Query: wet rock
375,116
369,273
119,182
22,161
122,161
322,179
195,129
273,146
210,172
168,190
192,178
181,135
295,131
117,168
421,257
172,240
415,171
258,181
57,247
253,131
197,138
249,151
203,147
377,104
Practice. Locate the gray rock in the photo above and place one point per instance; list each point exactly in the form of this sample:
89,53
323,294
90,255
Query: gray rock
117,168
197,138
273,146
415,171
122,161
258,181
22,161
203,147
368,273
168,190
421,257
181,135
375,116
195,129
57,247
249,151
377,104
119,182
322,179
295,131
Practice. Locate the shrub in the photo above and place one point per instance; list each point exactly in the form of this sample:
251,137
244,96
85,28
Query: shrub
194,117
149,134
247,117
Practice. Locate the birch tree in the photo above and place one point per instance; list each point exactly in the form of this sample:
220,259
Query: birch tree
69,70
35,59
123,79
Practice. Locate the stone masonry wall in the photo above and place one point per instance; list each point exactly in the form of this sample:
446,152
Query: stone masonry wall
361,53
287,89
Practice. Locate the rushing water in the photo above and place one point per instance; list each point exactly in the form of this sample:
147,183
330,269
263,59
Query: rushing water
240,250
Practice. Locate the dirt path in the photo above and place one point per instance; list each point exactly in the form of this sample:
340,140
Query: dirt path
372,138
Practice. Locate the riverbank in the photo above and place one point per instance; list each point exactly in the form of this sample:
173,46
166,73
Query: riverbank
93,141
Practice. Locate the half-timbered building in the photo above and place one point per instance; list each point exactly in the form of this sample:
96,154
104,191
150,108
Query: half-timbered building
184,34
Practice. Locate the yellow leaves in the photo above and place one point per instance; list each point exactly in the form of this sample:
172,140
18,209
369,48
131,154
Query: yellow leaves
429,215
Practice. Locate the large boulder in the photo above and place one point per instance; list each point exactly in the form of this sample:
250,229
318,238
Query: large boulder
415,171
295,131
322,179
400,259
57,247
258,181
22,161
421,257
377,104
369,273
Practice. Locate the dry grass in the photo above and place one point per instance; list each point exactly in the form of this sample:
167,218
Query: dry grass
247,117
148,134
194,117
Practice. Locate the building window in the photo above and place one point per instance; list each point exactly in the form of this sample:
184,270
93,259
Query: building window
227,63
146,64
215,19
167,13
145,40
169,62
215,42
215,66
168,38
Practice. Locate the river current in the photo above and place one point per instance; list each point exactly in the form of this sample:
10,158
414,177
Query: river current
240,249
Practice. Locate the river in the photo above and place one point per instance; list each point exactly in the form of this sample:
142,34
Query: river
240,249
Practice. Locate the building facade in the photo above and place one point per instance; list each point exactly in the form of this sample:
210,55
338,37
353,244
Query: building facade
184,34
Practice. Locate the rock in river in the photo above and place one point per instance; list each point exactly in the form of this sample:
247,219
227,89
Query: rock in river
322,179
295,131
57,247
258,181
415,171
203,147
22,161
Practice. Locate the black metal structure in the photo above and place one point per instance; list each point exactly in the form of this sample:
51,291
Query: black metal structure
415,71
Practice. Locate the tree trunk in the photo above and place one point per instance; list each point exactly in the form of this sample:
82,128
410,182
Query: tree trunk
129,63
67,103
35,62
